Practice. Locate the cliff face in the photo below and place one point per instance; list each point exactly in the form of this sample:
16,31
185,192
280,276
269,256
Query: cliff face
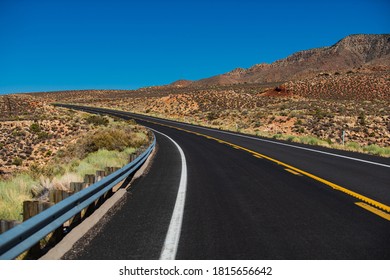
351,52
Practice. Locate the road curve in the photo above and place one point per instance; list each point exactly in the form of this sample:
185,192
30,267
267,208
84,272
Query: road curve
251,198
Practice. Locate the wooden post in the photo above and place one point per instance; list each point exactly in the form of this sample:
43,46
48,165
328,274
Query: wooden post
7,224
43,205
34,207
30,209
100,174
133,156
108,170
76,186
3,226
56,196
89,179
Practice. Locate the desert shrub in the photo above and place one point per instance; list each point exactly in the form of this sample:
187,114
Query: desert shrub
35,128
353,145
17,161
376,150
291,138
298,122
18,133
131,122
212,115
97,120
53,170
309,140
319,113
43,135
114,138
362,118
110,139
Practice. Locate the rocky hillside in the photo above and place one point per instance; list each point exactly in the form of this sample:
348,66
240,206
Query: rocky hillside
352,52
342,86
32,132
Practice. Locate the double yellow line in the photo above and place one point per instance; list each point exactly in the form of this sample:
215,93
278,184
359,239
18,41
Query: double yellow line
367,203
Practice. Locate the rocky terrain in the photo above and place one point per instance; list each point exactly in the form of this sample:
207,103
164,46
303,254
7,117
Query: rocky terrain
32,131
350,85
353,51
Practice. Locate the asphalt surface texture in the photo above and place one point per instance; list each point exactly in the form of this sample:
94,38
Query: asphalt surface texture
240,204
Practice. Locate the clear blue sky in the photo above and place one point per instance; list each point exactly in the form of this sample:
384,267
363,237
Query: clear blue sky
77,44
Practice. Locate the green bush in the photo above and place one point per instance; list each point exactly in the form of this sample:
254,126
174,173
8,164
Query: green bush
291,138
97,120
110,139
376,150
35,128
212,115
362,118
115,137
17,161
353,145
43,135
298,122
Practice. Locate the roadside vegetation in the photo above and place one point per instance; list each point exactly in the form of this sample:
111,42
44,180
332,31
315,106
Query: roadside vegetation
108,143
301,121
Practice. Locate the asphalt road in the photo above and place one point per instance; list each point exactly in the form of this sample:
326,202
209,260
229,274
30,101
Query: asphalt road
250,198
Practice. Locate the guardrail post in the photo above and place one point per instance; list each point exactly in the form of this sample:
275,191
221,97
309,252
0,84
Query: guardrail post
109,170
34,207
30,209
110,192
7,224
100,174
132,157
56,196
3,226
89,179
76,186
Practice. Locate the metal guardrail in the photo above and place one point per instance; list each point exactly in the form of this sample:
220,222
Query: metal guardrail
24,236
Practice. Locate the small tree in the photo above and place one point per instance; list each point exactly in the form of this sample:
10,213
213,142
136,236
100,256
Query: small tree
362,118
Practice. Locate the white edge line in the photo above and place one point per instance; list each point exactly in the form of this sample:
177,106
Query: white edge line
172,238
278,143
307,149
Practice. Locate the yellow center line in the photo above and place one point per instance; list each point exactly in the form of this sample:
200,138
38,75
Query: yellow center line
374,210
292,168
293,172
257,156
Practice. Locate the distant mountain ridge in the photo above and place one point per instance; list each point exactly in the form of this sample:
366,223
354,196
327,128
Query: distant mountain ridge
350,52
